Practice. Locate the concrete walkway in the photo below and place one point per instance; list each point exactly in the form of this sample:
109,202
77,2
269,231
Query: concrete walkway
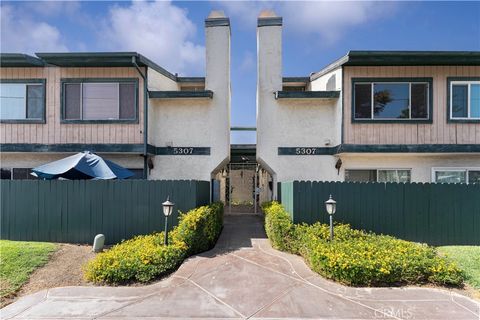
243,277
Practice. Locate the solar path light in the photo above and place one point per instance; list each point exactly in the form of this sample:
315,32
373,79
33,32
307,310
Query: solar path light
167,211
331,206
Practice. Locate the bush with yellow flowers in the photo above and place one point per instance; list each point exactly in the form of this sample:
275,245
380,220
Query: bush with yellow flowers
357,257
144,258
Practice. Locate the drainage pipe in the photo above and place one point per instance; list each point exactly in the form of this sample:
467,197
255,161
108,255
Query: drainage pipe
145,114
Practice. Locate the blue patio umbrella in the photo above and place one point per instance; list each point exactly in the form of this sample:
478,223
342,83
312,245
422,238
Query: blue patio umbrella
83,165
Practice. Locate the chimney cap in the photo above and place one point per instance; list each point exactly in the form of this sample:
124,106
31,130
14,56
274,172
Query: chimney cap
269,18
217,18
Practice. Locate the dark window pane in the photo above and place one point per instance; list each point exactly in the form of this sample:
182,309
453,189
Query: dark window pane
419,103
22,174
127,101
473,176
72,101
5,174
363,101
459,101
391,100
361,175
35,102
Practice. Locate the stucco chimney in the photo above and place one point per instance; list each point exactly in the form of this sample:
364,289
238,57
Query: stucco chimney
217,47
269,51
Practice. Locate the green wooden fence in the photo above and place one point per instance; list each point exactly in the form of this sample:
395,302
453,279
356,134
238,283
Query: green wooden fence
75,211
438,214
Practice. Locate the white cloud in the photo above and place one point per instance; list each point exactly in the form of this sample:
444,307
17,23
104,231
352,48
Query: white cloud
23,33
53,8
328,19
159,30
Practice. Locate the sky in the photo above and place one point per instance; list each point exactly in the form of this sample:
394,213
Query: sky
171,33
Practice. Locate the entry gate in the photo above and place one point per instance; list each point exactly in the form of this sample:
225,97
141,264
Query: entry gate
242,188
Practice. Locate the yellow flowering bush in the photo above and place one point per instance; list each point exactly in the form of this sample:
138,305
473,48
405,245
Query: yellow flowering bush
144,258
357,257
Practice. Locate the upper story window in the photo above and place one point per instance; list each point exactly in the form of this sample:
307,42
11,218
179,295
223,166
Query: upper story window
392,99
464,99
101,100
22,101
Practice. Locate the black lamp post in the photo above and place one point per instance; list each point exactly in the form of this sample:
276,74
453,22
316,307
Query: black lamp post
331,206
167,211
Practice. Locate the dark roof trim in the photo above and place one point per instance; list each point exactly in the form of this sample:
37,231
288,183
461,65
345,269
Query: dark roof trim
19,60
307,94
296,79
102,59
191,79
270,21
403,58
217,22
180,94
237,128
71,147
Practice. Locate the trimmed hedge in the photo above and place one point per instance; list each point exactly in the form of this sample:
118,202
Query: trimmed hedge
357,257
144,258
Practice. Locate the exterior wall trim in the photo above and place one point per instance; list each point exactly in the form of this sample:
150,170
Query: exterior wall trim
307,94
270,21
449,118
97,80
217,22
384,148
396,79
71,147
43,81
180,94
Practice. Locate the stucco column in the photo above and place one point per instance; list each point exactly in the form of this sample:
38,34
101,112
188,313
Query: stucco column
269,80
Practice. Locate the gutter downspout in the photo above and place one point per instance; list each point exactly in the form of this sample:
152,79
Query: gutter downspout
145,114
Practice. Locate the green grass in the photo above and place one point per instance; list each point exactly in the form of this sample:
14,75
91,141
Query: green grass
468,259
18,259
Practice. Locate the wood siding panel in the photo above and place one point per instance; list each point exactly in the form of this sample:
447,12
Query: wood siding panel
438,132
53,131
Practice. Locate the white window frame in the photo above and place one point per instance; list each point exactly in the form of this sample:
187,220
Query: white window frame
454,169
469,85
383,169
372,102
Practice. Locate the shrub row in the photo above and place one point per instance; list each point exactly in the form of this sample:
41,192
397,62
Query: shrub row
357,257
144,258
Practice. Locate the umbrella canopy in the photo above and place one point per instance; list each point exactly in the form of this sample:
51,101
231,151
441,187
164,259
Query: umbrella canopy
83,165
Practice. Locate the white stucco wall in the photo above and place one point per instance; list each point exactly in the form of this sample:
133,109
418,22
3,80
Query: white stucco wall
291,122
195,122
420,164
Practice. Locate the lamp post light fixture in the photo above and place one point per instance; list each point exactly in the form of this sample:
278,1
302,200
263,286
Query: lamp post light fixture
167,212
331,206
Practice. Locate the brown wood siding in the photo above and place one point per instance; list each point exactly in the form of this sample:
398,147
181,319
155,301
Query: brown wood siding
54,132
438,132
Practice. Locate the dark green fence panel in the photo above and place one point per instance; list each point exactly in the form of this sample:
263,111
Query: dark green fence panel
437,214
75,211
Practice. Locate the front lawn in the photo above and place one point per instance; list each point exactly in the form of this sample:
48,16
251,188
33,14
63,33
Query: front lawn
18,259
468,259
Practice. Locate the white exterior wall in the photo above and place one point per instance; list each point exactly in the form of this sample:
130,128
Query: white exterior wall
291,122
195,122
421,165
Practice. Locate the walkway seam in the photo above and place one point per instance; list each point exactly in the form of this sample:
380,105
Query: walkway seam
315,286
213,296
281,295
126,305
29,307
474,313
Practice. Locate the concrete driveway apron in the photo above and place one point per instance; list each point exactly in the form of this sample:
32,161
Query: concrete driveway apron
243,277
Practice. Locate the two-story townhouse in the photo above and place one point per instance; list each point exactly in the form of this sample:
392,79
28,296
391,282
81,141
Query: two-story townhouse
120,105
386,116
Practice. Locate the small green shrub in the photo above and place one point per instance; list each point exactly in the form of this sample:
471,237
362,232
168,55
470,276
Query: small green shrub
357,257
144,258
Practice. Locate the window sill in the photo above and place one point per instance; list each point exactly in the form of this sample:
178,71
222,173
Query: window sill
406,121
133,121
24,121
449,120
